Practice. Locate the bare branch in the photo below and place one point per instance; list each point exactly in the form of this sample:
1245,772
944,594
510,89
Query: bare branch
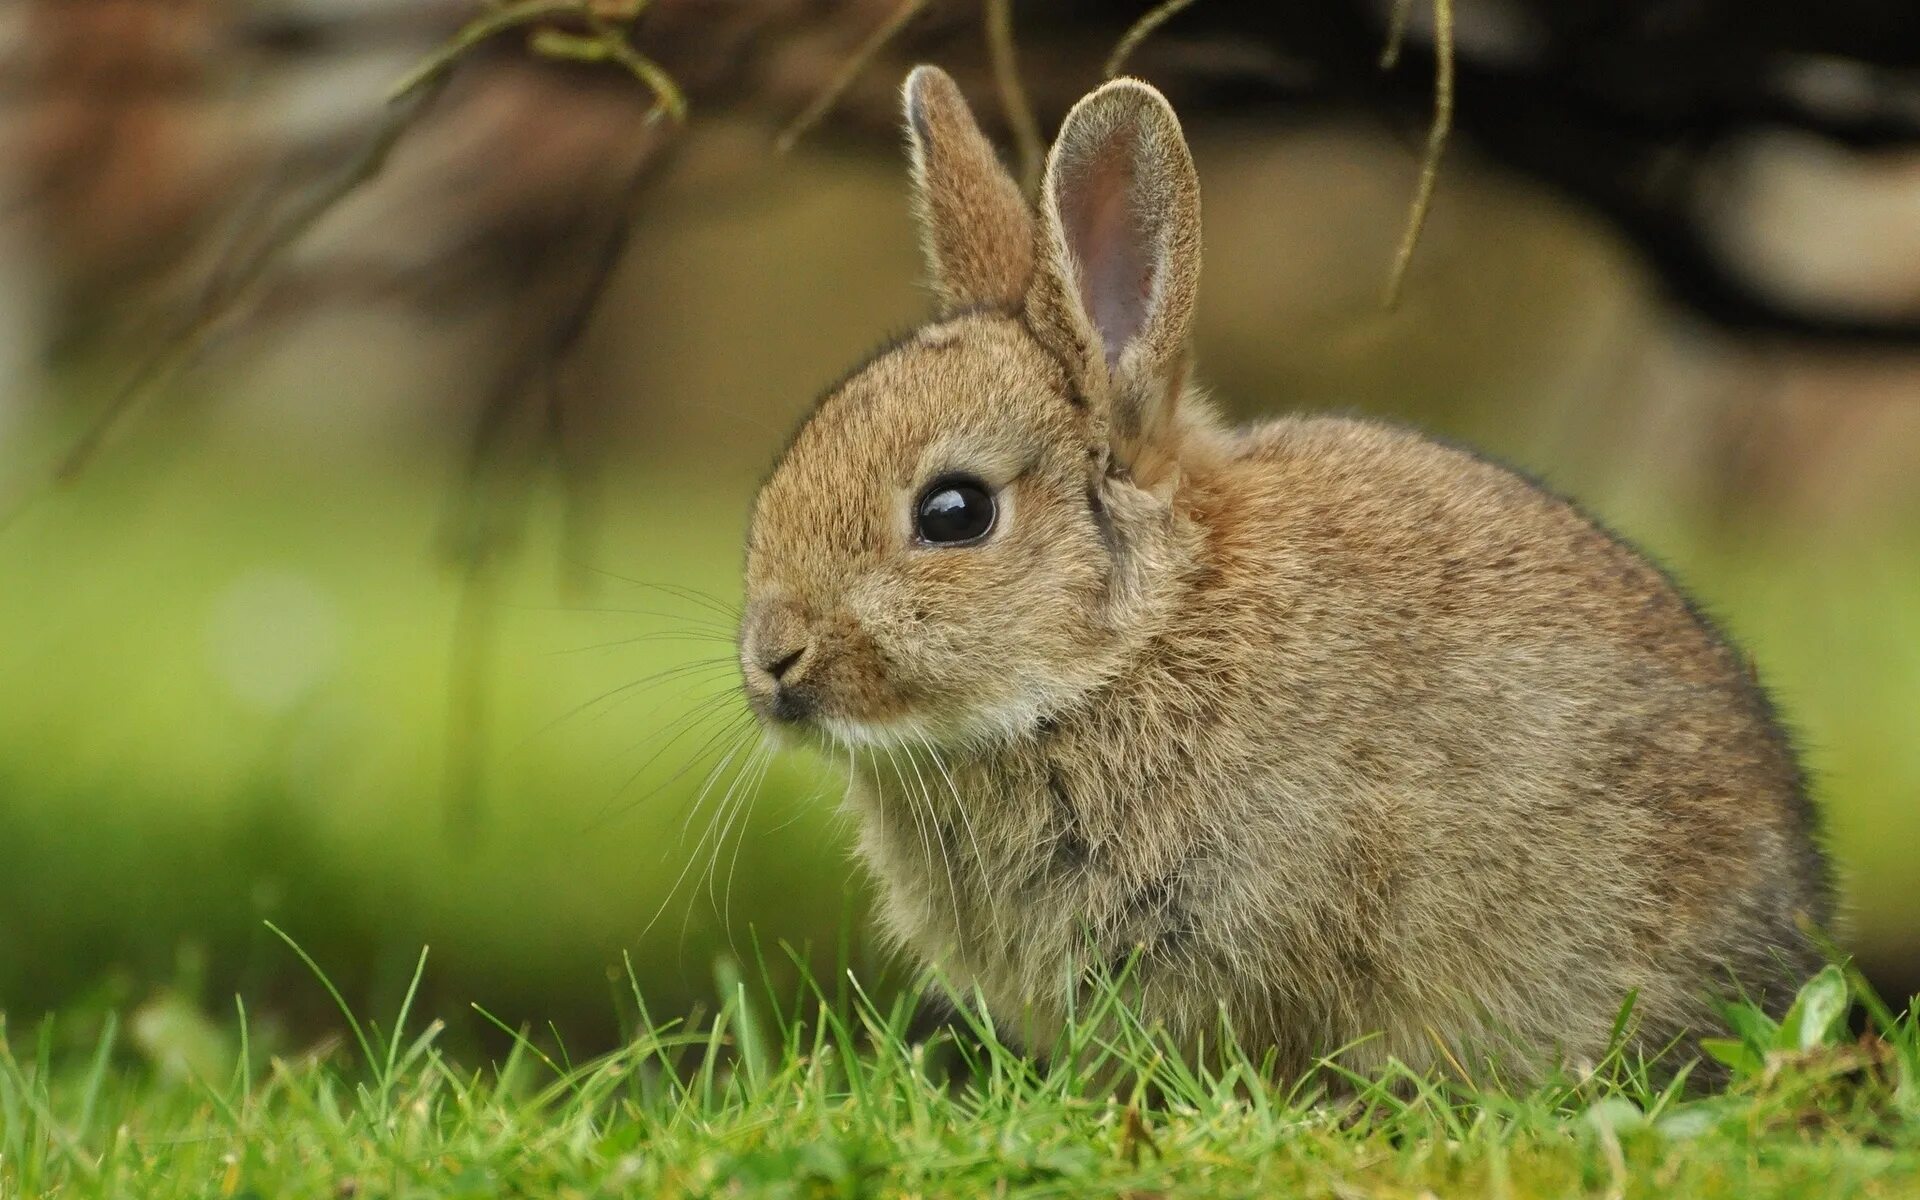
823,103
1013,94
1140,31
505,19
1437,134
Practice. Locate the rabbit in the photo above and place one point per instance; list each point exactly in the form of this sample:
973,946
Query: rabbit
1320,731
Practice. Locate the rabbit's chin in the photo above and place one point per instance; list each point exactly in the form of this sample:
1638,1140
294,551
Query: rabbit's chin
952,730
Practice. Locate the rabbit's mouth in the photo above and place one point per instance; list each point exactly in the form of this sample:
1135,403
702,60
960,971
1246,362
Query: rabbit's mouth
808,715
787,710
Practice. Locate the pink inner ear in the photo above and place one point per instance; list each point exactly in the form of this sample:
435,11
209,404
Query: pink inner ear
1102,226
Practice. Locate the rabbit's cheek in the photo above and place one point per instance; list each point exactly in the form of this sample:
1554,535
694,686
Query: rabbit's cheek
904,654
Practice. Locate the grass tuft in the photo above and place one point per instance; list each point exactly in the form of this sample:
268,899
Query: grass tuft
836,1093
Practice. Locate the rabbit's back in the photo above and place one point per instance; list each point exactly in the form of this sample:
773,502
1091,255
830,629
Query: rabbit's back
1573,778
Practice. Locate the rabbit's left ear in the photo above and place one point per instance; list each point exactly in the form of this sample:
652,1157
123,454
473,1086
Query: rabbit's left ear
976,225
1118,265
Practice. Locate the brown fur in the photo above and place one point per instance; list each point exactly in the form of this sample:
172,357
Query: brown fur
1343,733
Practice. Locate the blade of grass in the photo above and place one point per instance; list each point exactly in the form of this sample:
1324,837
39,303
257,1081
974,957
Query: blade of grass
367,1056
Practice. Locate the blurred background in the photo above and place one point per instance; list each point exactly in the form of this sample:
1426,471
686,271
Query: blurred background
387,596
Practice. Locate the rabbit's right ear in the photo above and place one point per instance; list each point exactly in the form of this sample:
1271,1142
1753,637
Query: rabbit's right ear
1118,267
976,225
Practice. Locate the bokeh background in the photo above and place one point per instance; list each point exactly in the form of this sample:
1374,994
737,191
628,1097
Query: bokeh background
399,613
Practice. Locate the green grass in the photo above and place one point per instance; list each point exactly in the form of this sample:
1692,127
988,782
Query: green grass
828,1093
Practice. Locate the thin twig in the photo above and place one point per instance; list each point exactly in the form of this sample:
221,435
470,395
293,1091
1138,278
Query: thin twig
1013,94
671,100
849,71
1140,31
1398,21
609,43
502,20
1437,134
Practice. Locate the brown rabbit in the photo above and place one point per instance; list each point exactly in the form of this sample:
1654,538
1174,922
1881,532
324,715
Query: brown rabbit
1319,726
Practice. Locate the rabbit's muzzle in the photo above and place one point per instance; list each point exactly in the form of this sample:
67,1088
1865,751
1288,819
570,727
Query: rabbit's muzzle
779,658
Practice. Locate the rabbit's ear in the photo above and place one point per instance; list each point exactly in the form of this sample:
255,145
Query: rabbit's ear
1119,258
975,223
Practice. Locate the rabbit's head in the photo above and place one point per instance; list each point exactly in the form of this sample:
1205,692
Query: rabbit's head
974,528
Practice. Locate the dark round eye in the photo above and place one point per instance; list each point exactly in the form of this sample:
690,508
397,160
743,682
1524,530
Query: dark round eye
958,508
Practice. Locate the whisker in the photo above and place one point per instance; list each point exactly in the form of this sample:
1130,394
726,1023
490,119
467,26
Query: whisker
979,856
693,595
688,704
705,787
680,590
926,845
703,689
718,827
737,731
663,636
933,818
722,822
729,625
803,805
679,728
695,667
734,728
747,803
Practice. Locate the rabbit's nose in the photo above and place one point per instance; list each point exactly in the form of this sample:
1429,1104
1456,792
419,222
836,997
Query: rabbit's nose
778,640
778,662
778,650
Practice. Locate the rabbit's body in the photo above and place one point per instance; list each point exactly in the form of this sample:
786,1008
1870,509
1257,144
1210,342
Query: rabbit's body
1321,726
1488,773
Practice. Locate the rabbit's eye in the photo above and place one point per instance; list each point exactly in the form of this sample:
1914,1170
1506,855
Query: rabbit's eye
954,509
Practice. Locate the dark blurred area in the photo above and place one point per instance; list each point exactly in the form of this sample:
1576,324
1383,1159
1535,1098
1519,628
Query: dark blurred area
399,614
